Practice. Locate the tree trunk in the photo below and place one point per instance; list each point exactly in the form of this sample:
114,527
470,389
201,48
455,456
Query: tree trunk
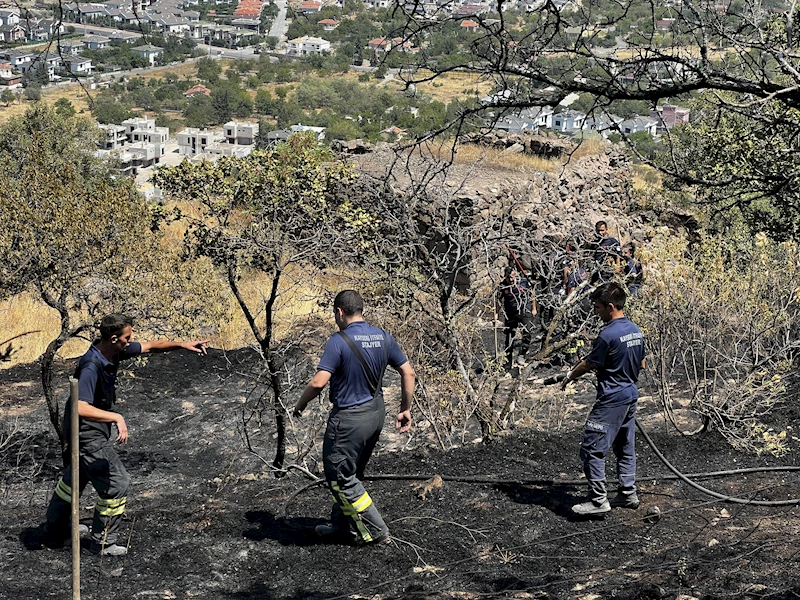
265,343
48,359
47,365
273,364
483,412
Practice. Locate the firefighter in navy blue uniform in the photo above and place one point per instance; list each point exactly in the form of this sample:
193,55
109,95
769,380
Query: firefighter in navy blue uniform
607,254
618,356
99,463
519,307
354,361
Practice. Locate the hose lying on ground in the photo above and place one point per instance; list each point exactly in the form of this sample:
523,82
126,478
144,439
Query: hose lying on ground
712,493
688,479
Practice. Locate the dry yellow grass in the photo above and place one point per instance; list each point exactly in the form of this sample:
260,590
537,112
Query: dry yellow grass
299,299
79,96
24,314
503,159
680,51
72,92
646,177
519,162
450,86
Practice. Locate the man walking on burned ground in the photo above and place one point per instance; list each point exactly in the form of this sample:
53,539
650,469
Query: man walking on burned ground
618,356
99,463
354,361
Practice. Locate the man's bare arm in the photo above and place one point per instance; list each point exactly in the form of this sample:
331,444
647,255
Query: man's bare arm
91,413
580,369
407,381
312,390
167,346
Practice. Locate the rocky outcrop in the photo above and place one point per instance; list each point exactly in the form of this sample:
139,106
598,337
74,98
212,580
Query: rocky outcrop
538,213
529,143
351,146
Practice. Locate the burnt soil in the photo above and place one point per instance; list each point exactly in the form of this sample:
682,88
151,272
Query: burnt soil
206,519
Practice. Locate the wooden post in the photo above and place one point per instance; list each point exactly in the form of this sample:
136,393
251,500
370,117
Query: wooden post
76,489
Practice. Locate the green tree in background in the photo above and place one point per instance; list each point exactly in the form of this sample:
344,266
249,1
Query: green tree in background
82,239
208,69
264,214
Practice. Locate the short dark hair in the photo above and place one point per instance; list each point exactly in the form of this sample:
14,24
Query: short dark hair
508,271
114,324
603,223
610,293
632,248
350,301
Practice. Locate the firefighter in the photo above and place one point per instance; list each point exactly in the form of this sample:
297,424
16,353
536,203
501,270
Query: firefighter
519,307
618,356
98,462
354,362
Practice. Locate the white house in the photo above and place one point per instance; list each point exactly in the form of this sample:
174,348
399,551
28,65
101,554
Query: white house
149,52
172,25
638,123
52,63
19,59
241,133
140,129
9,16
603,124
70,47
569,120
78,65
305,45
515,125
193,141
123,36
147,154
44,29
541,115
114,137
299,128
217,149
96,42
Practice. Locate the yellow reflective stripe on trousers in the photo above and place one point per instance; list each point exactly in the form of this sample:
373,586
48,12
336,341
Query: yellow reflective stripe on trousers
350,511
362,503
64,491
110,507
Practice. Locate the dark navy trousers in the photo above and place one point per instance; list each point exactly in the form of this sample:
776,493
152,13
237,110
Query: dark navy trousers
609,428
350,438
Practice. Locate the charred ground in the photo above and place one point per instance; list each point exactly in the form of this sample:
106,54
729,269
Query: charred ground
207,520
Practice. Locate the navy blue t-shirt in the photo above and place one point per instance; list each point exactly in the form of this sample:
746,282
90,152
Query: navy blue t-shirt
618,353
97,386
517,297
349,385
608,247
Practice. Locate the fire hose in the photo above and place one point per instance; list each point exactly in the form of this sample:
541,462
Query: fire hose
688,479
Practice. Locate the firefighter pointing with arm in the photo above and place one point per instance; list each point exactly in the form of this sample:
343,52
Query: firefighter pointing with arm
99,463
618,356
354,362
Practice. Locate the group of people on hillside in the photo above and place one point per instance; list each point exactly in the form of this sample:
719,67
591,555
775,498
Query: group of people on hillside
607,259
617,355
353,365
